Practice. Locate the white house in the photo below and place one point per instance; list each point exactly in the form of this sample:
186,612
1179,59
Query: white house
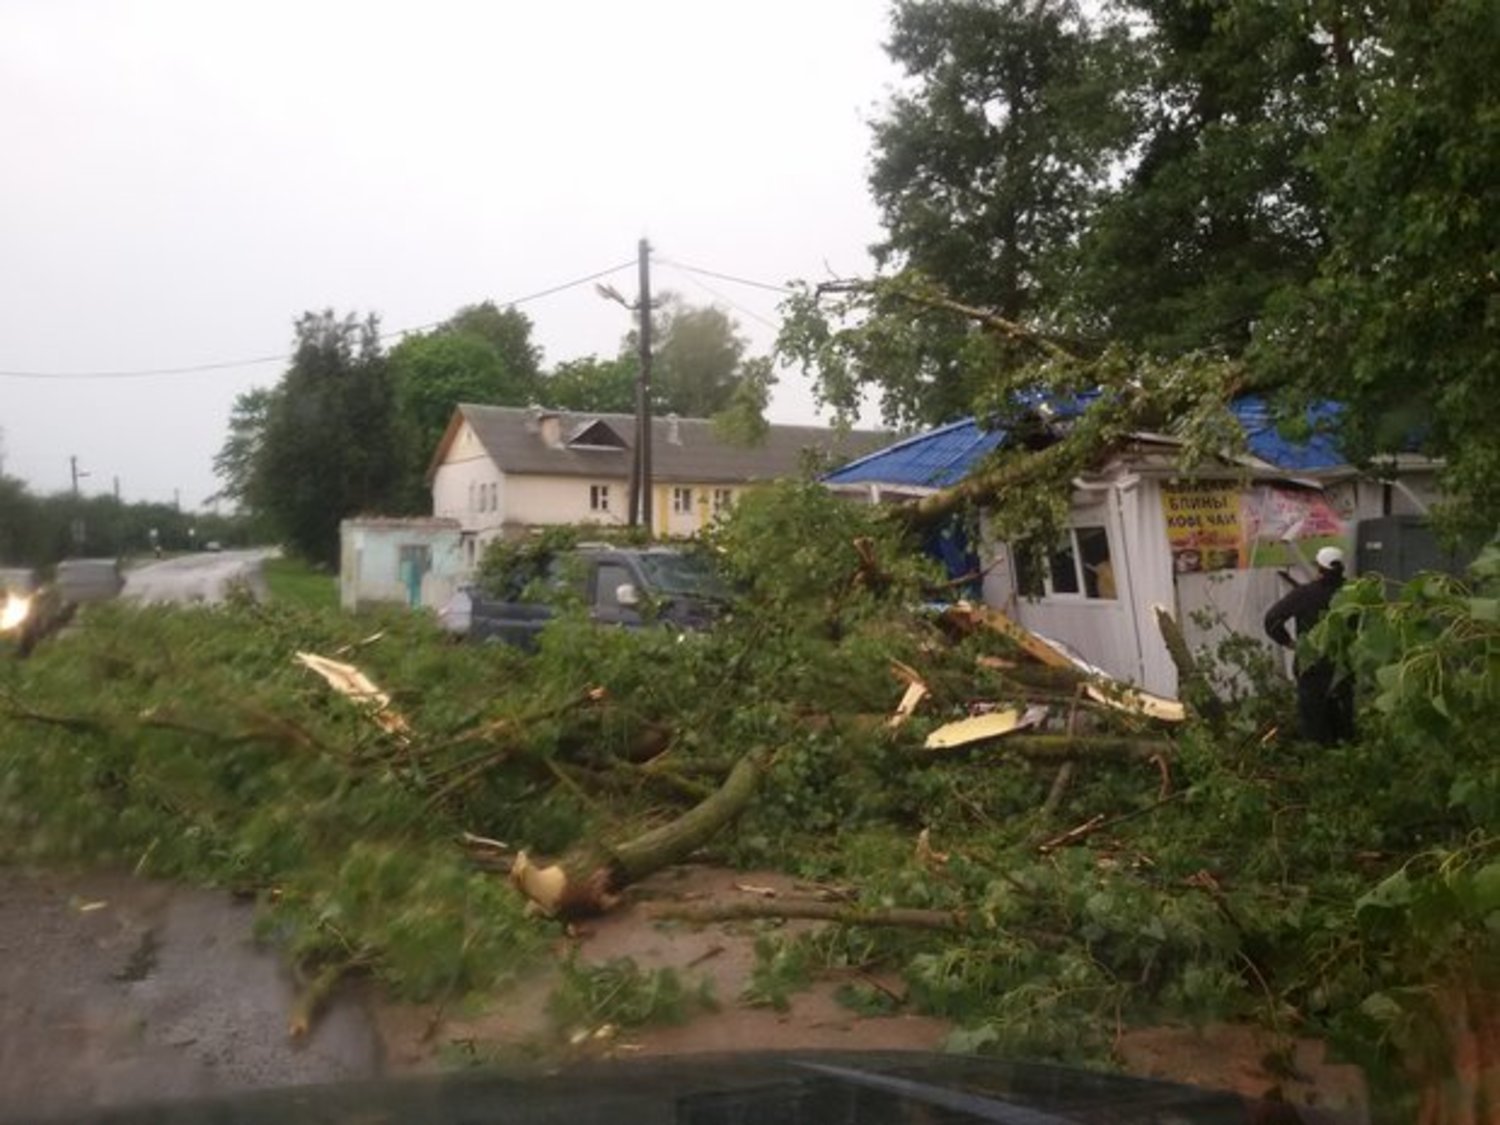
1210,548
500,470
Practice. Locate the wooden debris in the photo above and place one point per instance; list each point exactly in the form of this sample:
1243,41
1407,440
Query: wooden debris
756,889
350,682
927,855
982,728
590,880
1135,701
1191,682
1073,835
910,701
991,618
947,920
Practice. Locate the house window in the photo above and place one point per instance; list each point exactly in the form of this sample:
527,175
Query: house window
723,500
598,497
682,501
1079,566
471,497
494,497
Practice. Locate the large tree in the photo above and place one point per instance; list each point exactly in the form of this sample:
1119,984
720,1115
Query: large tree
697,359
508,331
1304,197
699,370
591,383
1400,322
1218,207
323,444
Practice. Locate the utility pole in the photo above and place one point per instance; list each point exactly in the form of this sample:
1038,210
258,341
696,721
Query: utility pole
117,490
643,385
73,464
640,462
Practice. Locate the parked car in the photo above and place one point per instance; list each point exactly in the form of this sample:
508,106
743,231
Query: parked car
20,580
89,580
629,587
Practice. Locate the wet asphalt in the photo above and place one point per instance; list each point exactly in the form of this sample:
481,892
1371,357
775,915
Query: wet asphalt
118,991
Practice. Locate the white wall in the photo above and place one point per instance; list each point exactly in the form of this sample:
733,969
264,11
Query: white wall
533,501
457,483
369,564
1118,634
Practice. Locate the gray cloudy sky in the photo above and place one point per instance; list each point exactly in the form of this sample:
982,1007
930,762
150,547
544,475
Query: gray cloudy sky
183,178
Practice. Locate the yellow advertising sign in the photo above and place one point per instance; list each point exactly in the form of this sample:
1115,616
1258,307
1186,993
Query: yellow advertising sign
1204,526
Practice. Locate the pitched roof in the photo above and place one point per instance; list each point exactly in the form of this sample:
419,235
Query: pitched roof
513,440
944,456
934,459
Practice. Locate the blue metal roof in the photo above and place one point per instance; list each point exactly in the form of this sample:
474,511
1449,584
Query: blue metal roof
944,456
934,459
1319,451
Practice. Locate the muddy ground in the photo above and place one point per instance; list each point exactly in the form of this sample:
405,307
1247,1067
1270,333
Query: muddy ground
117,990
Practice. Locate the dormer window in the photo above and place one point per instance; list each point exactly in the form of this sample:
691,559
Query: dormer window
597,434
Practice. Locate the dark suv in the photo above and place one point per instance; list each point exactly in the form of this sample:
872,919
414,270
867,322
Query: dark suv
626,586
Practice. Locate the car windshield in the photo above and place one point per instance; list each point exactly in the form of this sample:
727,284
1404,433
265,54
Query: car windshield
682,575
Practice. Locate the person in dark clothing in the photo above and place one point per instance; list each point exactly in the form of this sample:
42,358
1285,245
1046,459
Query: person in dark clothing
1325,702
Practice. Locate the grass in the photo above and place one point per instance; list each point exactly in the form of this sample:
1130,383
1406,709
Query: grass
297,582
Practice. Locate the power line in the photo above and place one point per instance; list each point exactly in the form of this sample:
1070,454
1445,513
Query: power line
712,292
725,276
282,357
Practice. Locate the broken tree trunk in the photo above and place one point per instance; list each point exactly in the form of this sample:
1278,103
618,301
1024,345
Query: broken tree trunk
1069,748
1194,686
842,913
589,881
635,859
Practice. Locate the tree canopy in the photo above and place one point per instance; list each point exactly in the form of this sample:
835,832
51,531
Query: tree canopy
1301,195
323,443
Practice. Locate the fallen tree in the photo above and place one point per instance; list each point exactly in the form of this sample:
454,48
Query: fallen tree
191,744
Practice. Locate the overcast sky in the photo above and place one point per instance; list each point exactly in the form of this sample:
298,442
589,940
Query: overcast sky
182,179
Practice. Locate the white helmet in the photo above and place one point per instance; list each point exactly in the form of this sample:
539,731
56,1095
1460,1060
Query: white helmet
1330,557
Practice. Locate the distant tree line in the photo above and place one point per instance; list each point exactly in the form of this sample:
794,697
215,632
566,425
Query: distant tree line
38,531
352,426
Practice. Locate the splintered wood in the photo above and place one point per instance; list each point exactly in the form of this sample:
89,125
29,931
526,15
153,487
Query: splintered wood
353,684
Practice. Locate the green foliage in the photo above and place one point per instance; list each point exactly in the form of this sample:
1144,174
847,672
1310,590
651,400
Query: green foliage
986,166
620,994
351,429
42,530
431,375
1331,890
1306,188
742,420
592,384
323,444
791,548
508,332
198,749
1399,321
515,569
782,967
696,365
292,580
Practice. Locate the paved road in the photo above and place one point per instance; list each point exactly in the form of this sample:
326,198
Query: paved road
203,577
116,991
